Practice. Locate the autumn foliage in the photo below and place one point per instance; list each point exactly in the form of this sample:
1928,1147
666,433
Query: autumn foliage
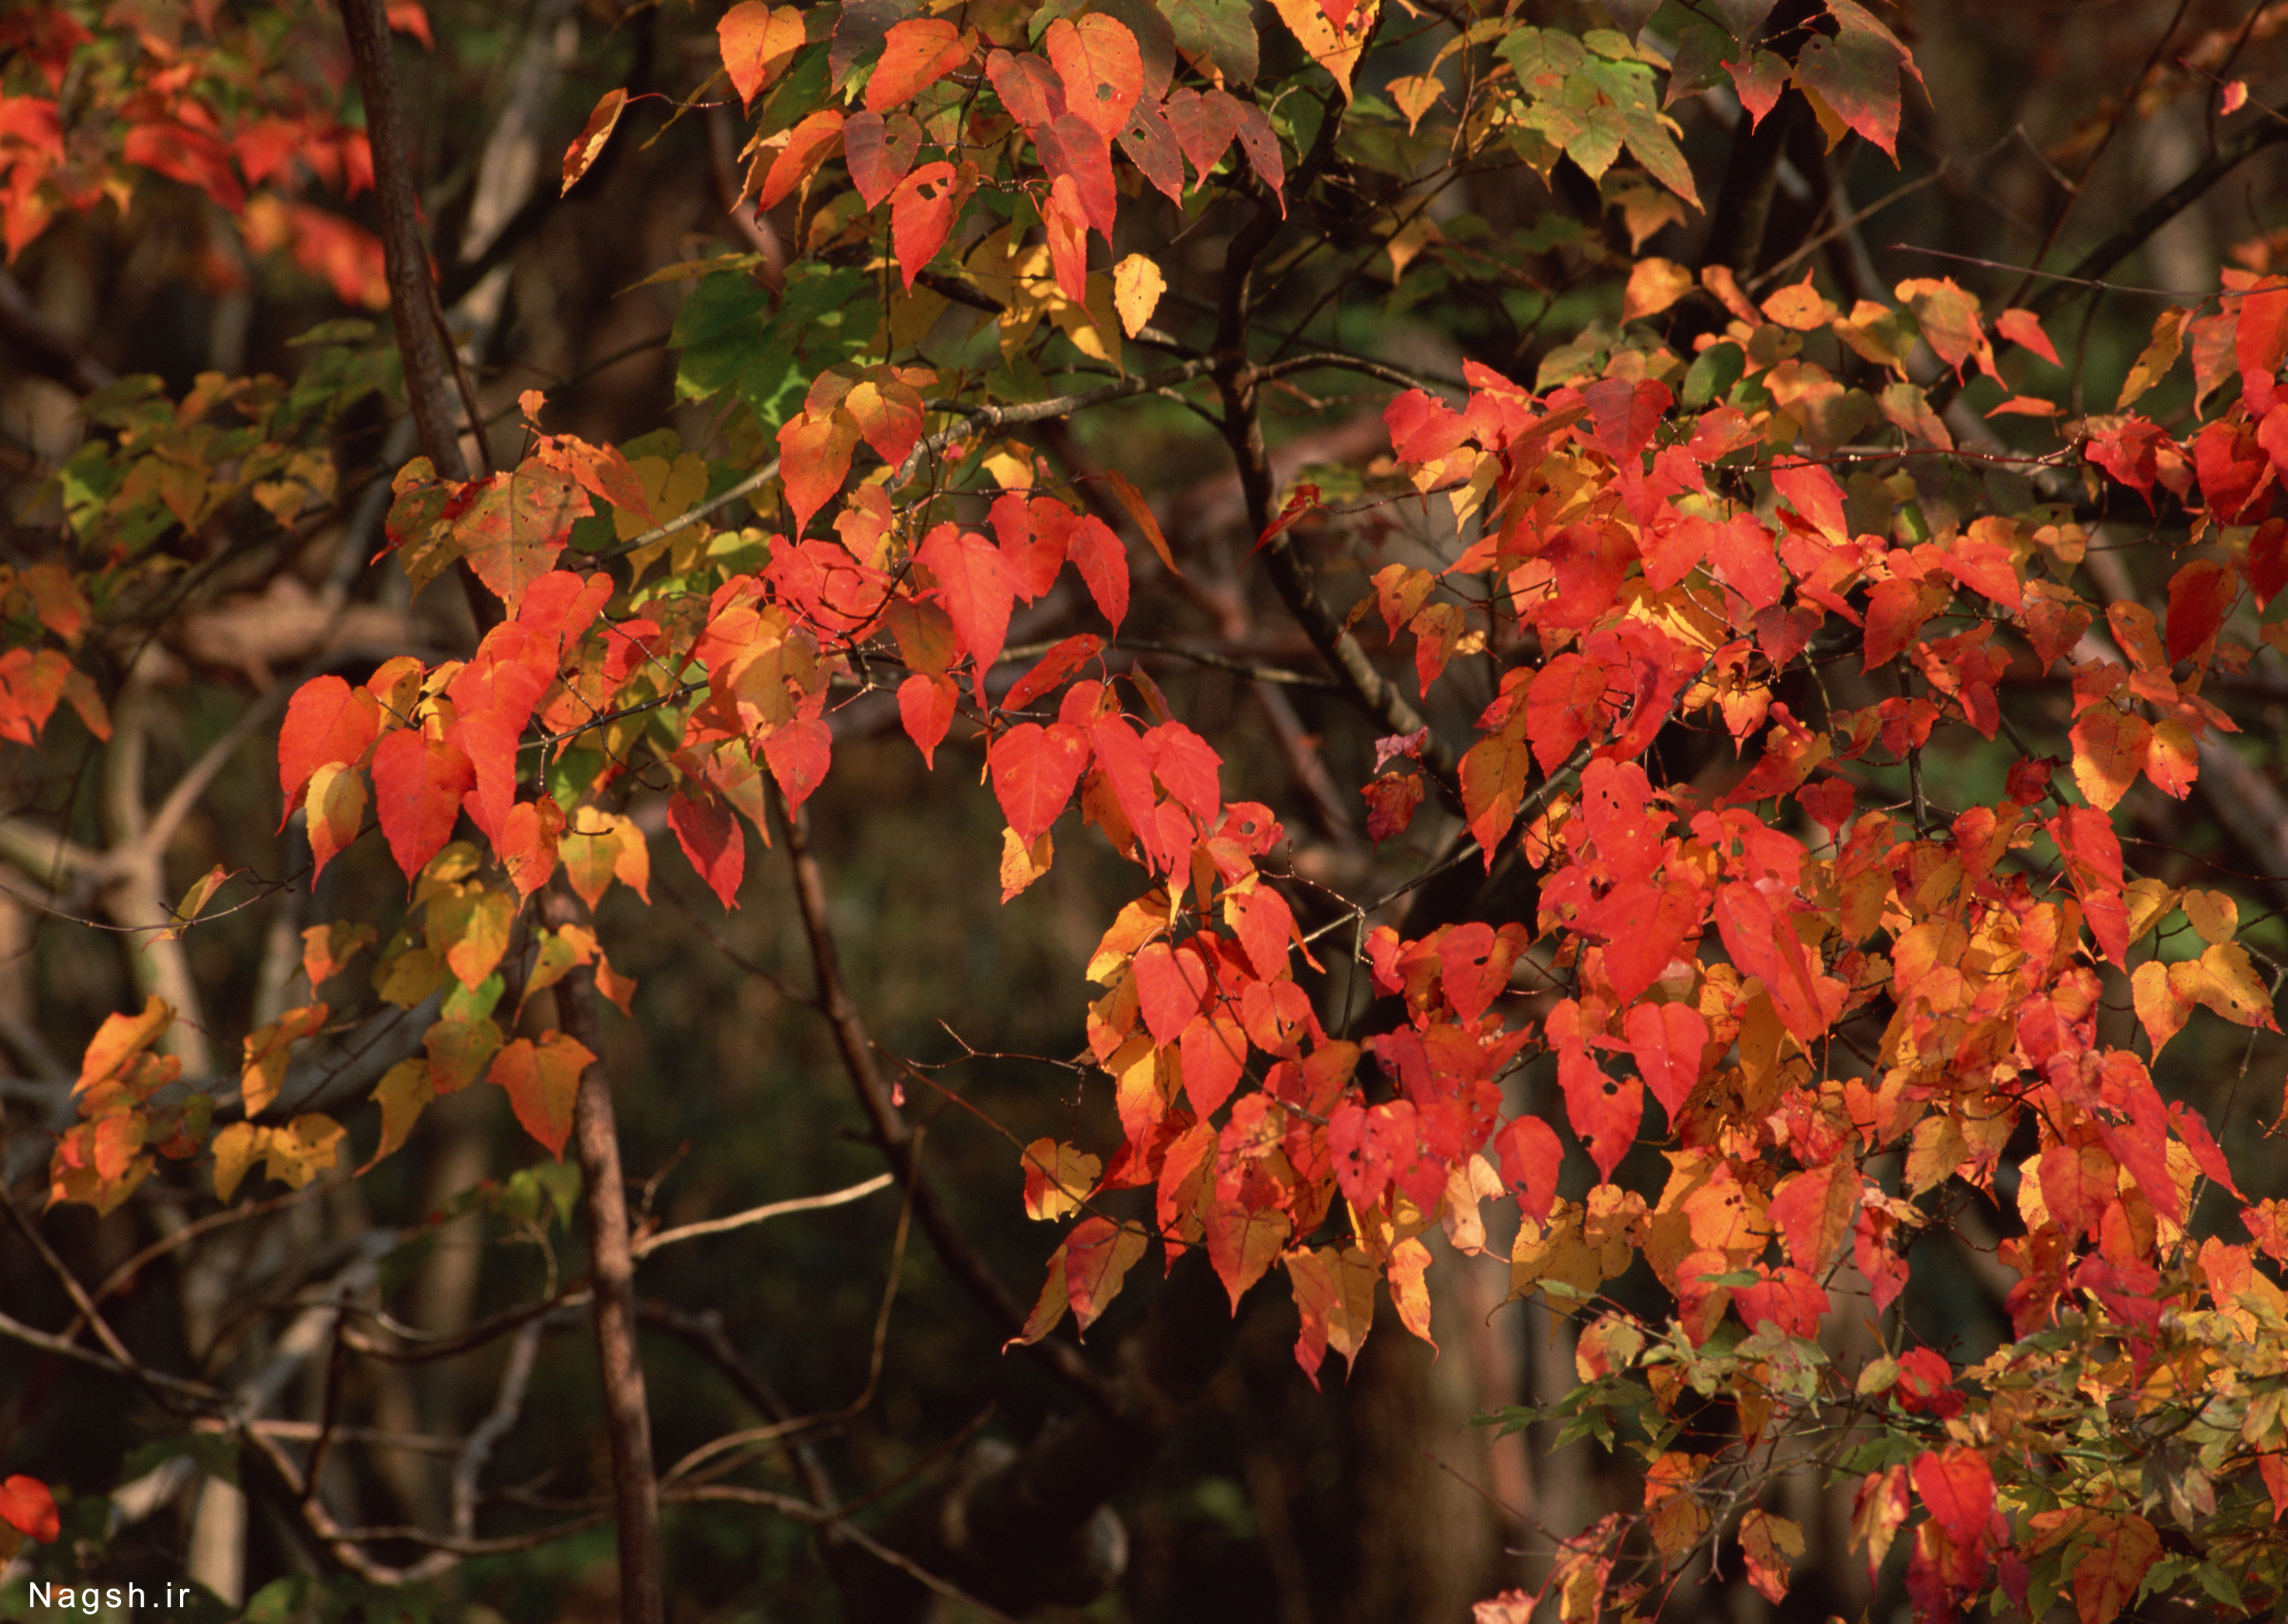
1785,1011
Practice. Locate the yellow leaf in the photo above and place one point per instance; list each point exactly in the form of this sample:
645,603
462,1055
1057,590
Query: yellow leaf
265,1065
194,900
1335,50
2160,353
306,1147
1655,285
2109,752
1137,285
1415,94
2215,916
1408,1260
2223,981
403,1092
235,1148
1020,864
1058,1178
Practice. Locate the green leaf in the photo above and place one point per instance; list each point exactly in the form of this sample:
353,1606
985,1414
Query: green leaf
1712,373
1219,31
732,340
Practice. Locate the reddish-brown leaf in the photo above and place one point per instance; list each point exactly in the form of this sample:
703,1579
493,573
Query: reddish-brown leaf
2201,594
711,839
1560,707
1151,146
1203,124
879,151
1857,73
1028,88
1079,163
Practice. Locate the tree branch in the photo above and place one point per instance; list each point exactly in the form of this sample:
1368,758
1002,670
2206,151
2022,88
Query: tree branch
627,1419
895,1136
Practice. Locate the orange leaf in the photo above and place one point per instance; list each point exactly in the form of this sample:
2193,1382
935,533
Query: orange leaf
813,455
916,54
1098,1256
757,43
543,1081
1034,771
808,145
921,210
419,782
26,1507
589,144
1101,67
327,721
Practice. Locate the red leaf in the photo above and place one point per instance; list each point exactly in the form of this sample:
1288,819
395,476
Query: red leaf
1258,141
711,839
2024,328
1034,771
1151,146
1370,1145
1203,124
1957,1485
925,706
327,721
417,783
1531,1155
189,155
543,1082
1096,552
1029,87
1266,923
1390,801
1186,768
1171,983
807,145
1075,151
1604,1112
1060,663
1760,82
921,210
813,457
2200,595
1667,1040
1560,707
880,152
2259,341
1812,491
2093,854
28,1507
2268,552
1857,73
974,589
1214,1053
1102,71
916,54
798,754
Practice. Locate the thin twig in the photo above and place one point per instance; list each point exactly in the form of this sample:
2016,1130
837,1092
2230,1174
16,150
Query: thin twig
649,1244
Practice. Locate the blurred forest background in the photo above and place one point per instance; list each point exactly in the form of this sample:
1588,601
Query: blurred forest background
2047,124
